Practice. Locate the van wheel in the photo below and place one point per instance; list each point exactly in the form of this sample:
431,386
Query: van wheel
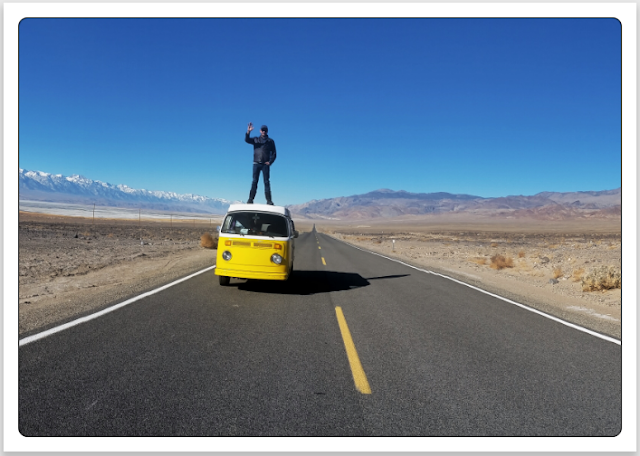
224,280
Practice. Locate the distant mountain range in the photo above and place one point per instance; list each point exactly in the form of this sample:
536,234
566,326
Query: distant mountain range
41,186
389,203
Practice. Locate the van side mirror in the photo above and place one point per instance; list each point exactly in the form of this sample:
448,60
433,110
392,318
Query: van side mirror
218,228
295,233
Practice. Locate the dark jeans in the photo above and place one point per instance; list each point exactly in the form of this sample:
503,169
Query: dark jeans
257,167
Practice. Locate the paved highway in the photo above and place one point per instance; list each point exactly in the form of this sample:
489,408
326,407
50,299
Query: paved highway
353,345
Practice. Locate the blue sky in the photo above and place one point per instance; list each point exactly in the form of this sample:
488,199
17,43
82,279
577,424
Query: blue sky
489,107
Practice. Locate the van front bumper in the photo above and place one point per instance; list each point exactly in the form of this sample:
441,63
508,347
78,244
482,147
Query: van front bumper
252,274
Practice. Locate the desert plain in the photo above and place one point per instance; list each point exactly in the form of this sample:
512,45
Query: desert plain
555,266
72,266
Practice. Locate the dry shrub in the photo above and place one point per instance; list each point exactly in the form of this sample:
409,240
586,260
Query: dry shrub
557,273
208,242
494,244
602,278
500,262
521,254
577,274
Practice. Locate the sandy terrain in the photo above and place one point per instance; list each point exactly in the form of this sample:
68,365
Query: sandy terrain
71,266
548,259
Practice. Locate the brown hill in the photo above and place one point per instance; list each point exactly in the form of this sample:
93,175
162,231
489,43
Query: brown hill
386,203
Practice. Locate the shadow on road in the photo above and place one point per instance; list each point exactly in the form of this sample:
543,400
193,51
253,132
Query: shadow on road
312,282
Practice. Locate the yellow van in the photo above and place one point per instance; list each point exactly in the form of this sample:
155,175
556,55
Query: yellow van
256,241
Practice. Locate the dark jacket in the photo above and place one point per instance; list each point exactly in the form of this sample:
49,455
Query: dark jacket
264,149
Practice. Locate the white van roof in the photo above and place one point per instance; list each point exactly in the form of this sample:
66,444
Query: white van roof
259,208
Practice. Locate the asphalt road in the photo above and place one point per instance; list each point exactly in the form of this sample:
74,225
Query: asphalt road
352,345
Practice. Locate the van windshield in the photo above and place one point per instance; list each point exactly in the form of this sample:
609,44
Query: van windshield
255,223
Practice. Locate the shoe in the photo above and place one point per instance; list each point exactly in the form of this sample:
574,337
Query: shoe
270,203
249,201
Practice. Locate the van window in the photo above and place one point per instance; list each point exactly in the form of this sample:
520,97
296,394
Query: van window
255,223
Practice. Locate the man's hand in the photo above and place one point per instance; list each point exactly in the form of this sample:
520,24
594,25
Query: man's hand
250,127
267,163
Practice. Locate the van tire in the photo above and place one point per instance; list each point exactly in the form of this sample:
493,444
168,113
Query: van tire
224,280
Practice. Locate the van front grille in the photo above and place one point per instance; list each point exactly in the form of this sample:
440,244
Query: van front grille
268,245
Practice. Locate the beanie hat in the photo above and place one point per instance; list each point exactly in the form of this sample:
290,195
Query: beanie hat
264,128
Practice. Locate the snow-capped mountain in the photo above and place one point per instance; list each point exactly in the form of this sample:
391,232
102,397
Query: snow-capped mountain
41,186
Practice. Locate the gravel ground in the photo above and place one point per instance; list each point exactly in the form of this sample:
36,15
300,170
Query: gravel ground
545,269
70,266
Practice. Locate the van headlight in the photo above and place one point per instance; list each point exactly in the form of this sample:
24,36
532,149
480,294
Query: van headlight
277,259
226,255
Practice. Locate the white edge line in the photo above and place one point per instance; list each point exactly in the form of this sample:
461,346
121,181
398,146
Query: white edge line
86,318
531,309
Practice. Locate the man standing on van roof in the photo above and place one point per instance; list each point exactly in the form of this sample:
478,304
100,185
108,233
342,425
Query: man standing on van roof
264,154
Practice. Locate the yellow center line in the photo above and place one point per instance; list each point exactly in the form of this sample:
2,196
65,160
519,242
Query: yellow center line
323,262
359,377
319,248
